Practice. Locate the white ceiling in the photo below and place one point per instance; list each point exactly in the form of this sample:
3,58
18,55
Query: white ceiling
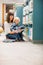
12,1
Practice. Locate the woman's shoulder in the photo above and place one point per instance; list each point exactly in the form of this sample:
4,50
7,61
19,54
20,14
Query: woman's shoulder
6,22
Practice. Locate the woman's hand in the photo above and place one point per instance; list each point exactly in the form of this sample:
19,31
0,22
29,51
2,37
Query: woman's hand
11,32
20,30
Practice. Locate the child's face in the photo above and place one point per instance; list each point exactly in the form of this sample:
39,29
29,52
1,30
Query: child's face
17,21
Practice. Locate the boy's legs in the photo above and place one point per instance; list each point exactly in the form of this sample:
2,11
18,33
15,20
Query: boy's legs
20,36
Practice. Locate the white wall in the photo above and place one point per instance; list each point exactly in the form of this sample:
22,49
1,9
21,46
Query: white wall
11,1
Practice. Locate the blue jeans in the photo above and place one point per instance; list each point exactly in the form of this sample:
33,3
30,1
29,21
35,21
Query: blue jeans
15,36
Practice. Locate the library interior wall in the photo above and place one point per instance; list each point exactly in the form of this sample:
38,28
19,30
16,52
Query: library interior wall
38,20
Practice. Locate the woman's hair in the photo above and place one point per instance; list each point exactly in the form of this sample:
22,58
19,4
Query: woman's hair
8,17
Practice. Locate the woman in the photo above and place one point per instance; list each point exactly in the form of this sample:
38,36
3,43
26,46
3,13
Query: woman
8,22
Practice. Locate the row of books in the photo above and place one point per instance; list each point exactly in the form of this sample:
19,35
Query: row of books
28,8
27,19
27,13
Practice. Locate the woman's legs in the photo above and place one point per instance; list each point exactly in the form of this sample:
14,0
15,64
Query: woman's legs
11,36
18,36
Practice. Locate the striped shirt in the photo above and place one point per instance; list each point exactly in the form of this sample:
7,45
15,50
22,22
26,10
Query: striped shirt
14,27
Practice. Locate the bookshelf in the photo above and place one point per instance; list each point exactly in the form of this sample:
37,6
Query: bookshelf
28,19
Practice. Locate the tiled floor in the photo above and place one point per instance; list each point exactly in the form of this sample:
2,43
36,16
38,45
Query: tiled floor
21,53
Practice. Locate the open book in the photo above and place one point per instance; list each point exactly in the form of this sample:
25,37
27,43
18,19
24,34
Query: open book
21,27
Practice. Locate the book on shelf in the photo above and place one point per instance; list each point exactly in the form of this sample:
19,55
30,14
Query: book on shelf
30,18
31,5
30,33
24,11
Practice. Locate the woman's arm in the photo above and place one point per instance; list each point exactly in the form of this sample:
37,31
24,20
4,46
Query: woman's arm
13,32
16,31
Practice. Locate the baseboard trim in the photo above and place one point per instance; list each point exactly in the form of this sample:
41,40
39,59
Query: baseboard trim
38,41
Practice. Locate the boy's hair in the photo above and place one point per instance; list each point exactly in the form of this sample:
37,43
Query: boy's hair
16,18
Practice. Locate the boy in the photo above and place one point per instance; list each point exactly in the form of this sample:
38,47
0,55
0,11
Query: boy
16,30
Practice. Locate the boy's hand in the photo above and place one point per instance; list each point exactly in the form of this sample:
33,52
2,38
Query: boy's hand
11,32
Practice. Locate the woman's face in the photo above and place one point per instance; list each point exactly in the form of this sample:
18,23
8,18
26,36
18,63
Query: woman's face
11,17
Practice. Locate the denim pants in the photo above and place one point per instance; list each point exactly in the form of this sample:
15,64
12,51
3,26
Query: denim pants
15,36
